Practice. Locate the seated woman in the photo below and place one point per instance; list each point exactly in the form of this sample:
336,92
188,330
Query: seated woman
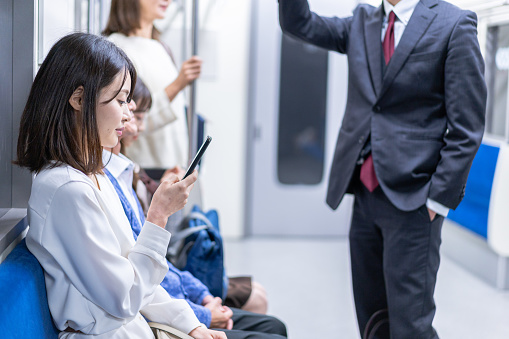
165,144
237,324
100,282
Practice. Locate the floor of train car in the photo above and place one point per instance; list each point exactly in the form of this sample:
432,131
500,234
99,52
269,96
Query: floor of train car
309,287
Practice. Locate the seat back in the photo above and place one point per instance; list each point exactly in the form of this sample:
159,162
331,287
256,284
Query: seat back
472,213
24,311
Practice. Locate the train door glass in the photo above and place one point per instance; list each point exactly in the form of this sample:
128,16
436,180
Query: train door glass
497,67
302,113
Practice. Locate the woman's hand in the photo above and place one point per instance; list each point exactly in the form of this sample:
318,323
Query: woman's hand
170,196
203,333
175,170
190,71
221,316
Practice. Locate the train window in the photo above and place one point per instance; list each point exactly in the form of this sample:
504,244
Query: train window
302,113
497,67
57,18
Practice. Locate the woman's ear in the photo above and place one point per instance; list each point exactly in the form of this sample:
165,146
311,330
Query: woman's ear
76,99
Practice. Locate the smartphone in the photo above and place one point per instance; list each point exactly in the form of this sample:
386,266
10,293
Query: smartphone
198,156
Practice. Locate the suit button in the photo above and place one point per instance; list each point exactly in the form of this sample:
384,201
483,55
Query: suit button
361,140
377,109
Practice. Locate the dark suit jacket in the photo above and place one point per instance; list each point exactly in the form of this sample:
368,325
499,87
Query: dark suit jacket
425,113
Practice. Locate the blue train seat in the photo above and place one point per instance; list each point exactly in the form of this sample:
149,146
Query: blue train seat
24,311
473,211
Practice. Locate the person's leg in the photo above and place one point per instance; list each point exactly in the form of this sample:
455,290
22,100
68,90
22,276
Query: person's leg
411,261
239,334
246,294
255,322
366,255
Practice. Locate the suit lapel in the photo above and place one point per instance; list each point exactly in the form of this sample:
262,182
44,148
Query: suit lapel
417,26
372,32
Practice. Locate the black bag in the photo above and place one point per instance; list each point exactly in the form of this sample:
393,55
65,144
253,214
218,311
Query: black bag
378,319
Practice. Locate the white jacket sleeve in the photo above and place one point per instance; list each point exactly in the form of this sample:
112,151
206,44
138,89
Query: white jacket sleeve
161,113
80,238
173,312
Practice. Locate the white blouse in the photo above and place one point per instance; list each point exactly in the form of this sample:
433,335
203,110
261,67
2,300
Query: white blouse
98,279
165,142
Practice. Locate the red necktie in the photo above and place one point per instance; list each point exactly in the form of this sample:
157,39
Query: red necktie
368,175
388,44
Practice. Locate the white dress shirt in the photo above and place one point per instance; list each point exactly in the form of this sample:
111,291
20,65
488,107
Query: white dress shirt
98,279
164,143
404,10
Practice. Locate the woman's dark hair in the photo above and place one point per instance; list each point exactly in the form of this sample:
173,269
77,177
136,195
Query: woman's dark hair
50,129
143,100
125,16
141,96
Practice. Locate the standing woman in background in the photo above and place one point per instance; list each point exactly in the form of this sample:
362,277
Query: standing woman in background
99,280
131,27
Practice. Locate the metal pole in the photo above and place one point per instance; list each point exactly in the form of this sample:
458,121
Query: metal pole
183,8
191,112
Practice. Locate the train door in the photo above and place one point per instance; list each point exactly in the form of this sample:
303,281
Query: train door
297,98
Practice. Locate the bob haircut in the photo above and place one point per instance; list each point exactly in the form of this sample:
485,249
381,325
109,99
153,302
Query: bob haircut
51,131
125,17
142,97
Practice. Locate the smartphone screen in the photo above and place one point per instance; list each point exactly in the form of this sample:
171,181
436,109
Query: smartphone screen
198,156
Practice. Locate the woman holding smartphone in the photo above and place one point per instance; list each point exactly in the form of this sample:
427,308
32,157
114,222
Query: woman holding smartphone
100,282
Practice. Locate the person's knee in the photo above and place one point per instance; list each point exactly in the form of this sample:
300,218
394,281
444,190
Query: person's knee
257,301
277,326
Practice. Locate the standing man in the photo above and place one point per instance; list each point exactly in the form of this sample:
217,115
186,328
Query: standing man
414,120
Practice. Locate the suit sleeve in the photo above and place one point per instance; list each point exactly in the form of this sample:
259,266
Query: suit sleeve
297,20
465,103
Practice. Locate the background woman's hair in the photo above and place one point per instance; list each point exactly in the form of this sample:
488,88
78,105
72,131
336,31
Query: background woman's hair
125,18
143,100
141,96
50,129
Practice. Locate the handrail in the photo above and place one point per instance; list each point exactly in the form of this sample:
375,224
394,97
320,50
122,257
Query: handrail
191,112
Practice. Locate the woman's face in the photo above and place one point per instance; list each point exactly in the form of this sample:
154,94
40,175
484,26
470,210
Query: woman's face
151,10
139,117
112,115
138,121
131,130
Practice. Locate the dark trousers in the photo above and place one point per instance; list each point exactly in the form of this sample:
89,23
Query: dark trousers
249,325
394,258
